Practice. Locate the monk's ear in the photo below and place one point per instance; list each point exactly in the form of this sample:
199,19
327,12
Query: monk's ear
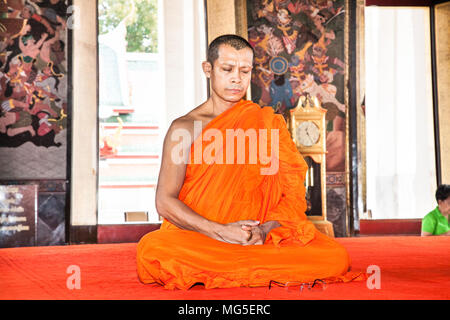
207,67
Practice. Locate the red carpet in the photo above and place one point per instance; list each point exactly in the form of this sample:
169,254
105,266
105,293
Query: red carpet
411,268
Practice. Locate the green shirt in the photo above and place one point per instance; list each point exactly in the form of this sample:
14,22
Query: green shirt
435,223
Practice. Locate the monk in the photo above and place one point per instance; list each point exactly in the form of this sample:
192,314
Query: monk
234,213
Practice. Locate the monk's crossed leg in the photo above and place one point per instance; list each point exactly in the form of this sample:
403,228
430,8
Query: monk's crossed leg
180,258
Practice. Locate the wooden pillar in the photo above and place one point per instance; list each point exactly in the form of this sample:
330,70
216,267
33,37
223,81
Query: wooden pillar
442,46
226,17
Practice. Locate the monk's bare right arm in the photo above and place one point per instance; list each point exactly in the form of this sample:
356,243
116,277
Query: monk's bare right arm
170,181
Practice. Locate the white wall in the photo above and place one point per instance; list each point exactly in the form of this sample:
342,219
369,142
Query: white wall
84,113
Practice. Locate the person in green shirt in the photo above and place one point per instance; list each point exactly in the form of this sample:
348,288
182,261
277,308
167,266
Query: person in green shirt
436,223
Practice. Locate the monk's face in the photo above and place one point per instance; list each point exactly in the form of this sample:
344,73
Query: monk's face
231,73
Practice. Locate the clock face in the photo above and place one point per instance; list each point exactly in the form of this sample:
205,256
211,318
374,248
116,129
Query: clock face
307,133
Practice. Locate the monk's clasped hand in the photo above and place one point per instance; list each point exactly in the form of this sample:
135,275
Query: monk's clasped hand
239,232
257,235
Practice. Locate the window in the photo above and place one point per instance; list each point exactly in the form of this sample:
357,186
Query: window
131,110
401,173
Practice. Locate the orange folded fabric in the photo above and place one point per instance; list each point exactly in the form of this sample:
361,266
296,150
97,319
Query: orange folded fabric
227,192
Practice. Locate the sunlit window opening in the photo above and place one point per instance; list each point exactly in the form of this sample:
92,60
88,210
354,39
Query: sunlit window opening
131,111
401,173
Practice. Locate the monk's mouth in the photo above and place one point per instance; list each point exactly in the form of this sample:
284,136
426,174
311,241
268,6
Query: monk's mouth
235,91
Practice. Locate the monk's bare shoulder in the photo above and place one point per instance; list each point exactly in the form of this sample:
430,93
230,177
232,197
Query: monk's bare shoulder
181,123
184,125
187,121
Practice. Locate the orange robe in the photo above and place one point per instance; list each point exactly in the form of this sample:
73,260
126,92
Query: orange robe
294,252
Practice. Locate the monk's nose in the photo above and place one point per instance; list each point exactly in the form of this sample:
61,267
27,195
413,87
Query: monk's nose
236,77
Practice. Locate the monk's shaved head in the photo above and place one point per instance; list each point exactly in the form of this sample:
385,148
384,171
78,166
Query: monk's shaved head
232,40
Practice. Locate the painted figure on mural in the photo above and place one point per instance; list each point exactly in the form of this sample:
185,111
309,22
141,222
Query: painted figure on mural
281,93
32,67
286,30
